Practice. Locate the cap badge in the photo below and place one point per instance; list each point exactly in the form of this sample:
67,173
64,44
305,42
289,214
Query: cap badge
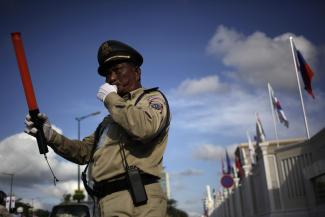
106,48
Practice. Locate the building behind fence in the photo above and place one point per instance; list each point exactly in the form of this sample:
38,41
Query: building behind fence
288,180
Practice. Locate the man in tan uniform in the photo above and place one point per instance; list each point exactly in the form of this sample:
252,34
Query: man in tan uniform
128,144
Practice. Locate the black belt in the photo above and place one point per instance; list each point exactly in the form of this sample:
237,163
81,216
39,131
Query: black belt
106,187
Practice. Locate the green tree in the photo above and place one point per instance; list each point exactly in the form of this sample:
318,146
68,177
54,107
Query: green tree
66,198
172,211
78,195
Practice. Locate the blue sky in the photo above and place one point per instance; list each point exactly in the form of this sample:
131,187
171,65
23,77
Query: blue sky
213,59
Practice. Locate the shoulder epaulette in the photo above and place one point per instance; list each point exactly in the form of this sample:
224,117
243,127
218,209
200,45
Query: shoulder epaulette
151,89
145,92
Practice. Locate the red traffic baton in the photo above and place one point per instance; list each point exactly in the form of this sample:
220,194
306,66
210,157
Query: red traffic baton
29,90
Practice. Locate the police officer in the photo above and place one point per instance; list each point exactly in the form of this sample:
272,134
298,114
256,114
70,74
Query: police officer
126,150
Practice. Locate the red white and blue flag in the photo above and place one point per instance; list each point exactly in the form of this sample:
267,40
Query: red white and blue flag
278,108
306,72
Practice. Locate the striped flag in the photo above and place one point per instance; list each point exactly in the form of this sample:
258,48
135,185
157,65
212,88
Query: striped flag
306,72
278,108
260,135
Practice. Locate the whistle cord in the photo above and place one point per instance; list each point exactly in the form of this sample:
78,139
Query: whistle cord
54,177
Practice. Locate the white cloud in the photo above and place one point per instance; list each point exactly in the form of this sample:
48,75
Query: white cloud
192,87
19,155
213,152
230,115
189,172
226,113
257,58
209,152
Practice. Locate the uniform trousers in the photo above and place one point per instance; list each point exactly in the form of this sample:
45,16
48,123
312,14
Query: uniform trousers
120,204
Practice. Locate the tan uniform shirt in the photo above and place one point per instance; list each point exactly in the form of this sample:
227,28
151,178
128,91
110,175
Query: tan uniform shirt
141,128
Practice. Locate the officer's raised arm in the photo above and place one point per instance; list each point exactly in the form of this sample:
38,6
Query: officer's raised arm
144,120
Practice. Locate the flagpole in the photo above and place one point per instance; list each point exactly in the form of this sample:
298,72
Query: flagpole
272,110
301,98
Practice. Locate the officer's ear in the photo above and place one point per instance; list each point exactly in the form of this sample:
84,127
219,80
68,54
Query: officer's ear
138,73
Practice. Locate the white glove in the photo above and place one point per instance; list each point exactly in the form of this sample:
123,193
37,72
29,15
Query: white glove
47,127
104,90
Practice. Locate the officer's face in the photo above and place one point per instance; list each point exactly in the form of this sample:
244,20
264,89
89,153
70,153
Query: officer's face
125,76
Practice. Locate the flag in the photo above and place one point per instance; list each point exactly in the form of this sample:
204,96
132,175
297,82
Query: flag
305,71
223,167
278,108
251,149
260,135
229,168
239,167
239,162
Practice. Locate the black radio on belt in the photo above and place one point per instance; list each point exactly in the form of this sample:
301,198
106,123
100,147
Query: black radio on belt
137,190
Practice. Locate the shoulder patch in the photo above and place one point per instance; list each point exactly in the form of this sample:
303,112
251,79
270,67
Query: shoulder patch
156,102
157,106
